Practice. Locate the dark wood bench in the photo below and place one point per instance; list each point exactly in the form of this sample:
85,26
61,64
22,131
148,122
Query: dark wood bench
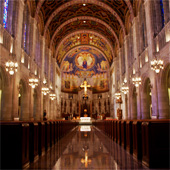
14,145
155,143
123,133
129,136
137,139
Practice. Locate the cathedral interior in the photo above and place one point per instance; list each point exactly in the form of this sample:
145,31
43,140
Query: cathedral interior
65,62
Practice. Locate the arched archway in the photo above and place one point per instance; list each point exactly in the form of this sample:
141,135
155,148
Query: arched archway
23,98
5,96
164,94
146,100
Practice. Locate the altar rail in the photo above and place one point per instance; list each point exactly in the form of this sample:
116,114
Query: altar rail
147,140
23,142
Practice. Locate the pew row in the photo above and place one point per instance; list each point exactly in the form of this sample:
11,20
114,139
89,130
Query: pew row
23,142
147,140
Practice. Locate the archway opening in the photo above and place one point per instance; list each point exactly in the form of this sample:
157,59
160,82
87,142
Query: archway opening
149,97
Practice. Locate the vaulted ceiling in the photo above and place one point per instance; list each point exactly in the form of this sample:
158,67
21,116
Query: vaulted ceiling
105,19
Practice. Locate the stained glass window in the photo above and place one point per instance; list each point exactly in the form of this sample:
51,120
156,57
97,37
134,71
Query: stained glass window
25,34
5,13
162,12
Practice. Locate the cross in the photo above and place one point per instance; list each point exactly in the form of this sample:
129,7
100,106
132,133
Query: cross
85,86
85,161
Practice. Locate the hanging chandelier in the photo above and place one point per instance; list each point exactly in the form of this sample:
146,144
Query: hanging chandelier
136,81
11,67
45,90
52,96
157,65
33,82
125,89
118,97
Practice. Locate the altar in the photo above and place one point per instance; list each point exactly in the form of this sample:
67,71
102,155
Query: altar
85,121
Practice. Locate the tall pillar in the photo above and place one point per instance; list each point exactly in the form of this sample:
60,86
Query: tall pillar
25,113
7,102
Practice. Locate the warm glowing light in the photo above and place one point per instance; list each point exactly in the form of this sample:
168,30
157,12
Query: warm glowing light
118,95
45,90
44,81
11,67
52,96
86,161
33,82
84,4
125,89
84,85
136,81
157,65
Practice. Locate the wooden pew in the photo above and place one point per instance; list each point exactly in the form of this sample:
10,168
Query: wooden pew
129,136
14,145
123,133
137,139
33,142
155,143
41,137
115,130
119,139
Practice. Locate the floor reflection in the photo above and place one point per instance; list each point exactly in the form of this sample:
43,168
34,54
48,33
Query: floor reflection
86,148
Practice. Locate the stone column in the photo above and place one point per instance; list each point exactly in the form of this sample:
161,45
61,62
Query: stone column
25,105
19,28
38,108
31,103
163,102
7,102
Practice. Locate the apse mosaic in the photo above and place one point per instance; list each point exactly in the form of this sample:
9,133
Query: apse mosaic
85,39
85,62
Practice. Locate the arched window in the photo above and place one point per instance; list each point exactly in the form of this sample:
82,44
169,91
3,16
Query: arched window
162,13
38,49
51,71
5,14
26,30
142,29
46,64
9,14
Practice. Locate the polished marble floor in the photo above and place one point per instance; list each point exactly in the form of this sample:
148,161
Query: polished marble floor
85,147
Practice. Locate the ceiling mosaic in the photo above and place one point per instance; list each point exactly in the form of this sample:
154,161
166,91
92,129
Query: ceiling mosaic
84,39
59,18
85,62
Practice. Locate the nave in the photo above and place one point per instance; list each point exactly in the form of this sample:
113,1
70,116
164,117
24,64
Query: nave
86,147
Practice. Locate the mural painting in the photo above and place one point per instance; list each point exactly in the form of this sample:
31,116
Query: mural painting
85,62
81,39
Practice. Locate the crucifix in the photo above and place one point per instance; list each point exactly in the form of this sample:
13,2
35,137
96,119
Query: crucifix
85,87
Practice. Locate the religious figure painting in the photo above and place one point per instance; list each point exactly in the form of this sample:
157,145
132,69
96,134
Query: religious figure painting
85,62
67,84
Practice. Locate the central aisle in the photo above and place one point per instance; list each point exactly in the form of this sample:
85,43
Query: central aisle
86,147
